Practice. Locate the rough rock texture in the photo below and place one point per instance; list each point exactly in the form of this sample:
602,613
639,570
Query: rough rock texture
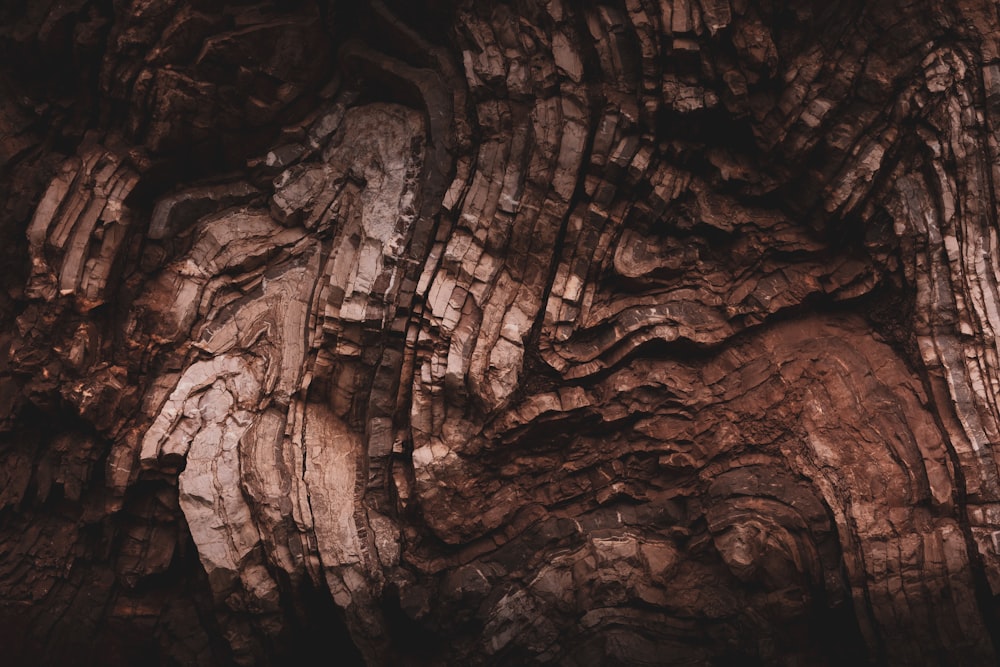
500,333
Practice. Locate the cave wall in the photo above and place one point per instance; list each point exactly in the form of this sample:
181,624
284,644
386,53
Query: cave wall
499,333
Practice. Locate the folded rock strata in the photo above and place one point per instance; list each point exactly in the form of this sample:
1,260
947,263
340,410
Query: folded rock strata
500,333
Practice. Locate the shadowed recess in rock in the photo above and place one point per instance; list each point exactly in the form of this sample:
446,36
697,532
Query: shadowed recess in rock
646,332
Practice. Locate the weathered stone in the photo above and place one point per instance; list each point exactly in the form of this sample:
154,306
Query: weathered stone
499,333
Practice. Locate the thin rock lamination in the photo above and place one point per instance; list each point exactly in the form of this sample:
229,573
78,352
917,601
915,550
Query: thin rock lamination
635,333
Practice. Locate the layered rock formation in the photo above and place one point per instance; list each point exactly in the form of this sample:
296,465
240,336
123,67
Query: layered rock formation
500,333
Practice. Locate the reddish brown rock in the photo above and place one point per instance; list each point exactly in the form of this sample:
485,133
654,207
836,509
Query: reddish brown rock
499,333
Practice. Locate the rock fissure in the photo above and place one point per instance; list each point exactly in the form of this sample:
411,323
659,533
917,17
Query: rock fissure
500,333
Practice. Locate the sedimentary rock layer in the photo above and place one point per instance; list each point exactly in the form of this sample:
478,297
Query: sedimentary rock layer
500,333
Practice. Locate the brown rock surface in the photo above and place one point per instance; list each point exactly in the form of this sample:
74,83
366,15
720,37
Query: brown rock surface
496,333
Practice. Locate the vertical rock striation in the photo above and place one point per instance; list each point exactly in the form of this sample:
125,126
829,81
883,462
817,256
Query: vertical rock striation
500,333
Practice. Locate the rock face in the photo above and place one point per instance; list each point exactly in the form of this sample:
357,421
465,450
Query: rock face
500,333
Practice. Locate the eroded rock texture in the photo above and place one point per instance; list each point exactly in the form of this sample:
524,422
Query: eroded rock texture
500,333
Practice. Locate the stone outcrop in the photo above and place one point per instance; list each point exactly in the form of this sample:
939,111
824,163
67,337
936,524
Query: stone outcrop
500,333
